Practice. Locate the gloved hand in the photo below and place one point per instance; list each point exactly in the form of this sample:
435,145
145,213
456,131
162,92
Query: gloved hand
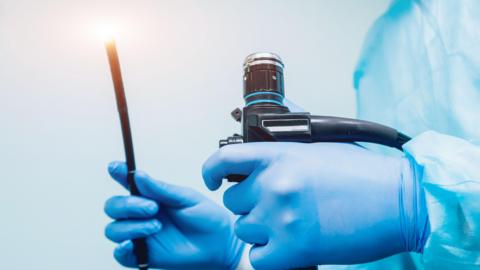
322,203
183,229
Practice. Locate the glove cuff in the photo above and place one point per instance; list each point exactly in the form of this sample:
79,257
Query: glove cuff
413,210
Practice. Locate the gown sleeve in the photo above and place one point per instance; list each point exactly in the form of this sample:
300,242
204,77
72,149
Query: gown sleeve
449,172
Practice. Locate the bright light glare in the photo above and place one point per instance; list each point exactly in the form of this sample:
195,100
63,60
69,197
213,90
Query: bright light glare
107,31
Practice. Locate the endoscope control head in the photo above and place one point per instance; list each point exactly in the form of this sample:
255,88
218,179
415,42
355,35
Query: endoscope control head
265,118
263,92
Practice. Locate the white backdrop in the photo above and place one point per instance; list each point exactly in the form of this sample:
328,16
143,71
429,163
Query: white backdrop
182,68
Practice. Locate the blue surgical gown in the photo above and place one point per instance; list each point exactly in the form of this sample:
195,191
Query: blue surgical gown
419,72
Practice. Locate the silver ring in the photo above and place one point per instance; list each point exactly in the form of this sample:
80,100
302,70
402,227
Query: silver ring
262,58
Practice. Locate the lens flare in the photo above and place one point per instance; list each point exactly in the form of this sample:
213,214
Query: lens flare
107,32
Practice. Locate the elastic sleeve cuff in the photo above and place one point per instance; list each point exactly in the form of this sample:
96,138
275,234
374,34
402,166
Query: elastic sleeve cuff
450,177
413,210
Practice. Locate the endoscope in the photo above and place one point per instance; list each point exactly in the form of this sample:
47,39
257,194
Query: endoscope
140,247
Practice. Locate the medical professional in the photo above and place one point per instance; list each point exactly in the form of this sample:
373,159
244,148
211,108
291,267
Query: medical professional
342,206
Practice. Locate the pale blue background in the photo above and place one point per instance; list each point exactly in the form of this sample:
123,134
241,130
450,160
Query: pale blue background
182,67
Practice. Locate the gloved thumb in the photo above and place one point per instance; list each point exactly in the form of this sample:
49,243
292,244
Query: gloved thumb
163,193
118,171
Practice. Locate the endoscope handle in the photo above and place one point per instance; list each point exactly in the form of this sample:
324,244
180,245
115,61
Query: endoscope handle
338,129
140,247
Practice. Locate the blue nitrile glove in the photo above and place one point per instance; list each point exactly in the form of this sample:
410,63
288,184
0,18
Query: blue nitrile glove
322,203
183,229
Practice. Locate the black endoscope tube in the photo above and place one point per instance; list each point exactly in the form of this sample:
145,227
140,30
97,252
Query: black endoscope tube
140,245
339,129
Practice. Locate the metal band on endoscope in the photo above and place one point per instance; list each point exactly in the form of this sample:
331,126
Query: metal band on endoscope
263,58
262,62
263,100
263,93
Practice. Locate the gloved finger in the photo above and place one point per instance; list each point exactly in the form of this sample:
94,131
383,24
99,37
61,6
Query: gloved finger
280,256
119,231
122,207
118,171
263,257
234,159
293,107
164,193
123,253
251,231
168,194
242,197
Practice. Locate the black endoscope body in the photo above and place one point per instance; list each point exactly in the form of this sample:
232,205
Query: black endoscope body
265,118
